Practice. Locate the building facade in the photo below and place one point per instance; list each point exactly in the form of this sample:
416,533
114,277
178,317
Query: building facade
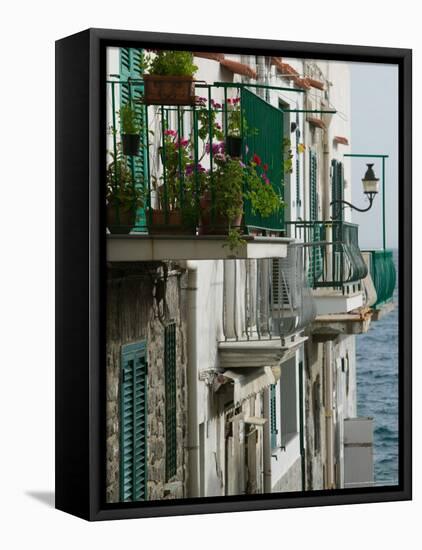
232,370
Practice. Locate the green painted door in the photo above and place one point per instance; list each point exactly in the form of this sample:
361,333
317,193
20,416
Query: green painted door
130,69
133,422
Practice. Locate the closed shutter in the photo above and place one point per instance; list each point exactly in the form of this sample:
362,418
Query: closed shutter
313,186
170,384
133,423
273,414
315,259
337,187
130,68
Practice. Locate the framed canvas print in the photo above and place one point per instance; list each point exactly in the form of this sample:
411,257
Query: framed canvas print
233,274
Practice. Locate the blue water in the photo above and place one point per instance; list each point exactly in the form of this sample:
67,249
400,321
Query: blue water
377,389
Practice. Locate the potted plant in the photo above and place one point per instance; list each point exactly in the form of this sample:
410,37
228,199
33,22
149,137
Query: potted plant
233,138
264,200
176,208
130,128
222,201
123,198
168,78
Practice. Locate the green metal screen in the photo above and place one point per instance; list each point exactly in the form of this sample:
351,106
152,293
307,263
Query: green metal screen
130,69
133,423
273,413
263,135
337,188
383,274
170,382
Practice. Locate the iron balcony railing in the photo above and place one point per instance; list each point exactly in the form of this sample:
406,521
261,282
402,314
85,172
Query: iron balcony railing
174,174
383,274
266,299
332,257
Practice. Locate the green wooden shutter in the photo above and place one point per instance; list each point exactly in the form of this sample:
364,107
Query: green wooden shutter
315,259
133,423
313,189
337,188
273,413
170,385
298,199
130,68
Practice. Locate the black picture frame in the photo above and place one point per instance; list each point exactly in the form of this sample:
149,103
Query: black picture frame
80,274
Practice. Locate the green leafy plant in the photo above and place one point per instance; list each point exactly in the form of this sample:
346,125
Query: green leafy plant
169,63
265,201
121,193
129,120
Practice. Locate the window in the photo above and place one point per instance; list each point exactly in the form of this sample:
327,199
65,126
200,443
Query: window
133,422
273,416
170,384
313,186
289,402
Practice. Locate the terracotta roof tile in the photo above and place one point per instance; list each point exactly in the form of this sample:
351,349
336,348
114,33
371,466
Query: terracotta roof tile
341,139
315,83
210,55
316,122
284,69
238,68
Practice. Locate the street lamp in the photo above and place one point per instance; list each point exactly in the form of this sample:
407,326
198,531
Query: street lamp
370,185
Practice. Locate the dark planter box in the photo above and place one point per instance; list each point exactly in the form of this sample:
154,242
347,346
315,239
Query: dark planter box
169,90
130,143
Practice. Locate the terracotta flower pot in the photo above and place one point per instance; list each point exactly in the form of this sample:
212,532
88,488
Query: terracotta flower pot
175,224
168,90
120,221
217,226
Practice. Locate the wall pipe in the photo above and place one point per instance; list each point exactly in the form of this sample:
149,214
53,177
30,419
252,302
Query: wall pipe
192,381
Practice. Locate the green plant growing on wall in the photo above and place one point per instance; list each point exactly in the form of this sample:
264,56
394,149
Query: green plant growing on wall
264,199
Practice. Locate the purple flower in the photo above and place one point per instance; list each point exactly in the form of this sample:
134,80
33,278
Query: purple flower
172,133
215,104
216,148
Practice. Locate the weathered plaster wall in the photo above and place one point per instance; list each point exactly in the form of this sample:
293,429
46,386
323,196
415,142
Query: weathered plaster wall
291,481
135,312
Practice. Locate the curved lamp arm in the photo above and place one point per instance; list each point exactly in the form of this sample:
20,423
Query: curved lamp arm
371,197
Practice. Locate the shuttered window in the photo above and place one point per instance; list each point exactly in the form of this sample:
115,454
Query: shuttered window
273,414
133,423
337,188
313,190
130,69
170,384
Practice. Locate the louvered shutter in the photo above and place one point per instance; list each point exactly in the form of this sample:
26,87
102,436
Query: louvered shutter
170,384
130,68
133,423
337,186
313,189
273,415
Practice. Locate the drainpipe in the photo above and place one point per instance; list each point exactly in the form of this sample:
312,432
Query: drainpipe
192,381
267,443
329,429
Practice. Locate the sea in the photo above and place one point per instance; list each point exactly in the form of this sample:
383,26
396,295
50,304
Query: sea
377,389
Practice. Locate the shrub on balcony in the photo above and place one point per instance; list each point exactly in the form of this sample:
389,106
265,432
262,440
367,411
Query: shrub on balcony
122,196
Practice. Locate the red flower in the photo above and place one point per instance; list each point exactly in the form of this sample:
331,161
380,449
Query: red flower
256,159
265,167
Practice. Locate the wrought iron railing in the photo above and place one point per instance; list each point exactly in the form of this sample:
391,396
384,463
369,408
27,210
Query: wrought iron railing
174,177
332,257
383,274
266,299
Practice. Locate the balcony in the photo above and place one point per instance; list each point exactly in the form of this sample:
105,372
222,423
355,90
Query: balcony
266,306
337,272
383,274
214,168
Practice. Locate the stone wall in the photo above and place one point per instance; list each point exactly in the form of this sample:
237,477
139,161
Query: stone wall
141,299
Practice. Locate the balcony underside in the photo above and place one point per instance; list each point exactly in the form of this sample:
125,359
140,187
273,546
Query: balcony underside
329,327
331,302
137,248
380,311
258,353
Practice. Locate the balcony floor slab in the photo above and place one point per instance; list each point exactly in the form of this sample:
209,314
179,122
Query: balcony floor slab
328,301
328,327
137,248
